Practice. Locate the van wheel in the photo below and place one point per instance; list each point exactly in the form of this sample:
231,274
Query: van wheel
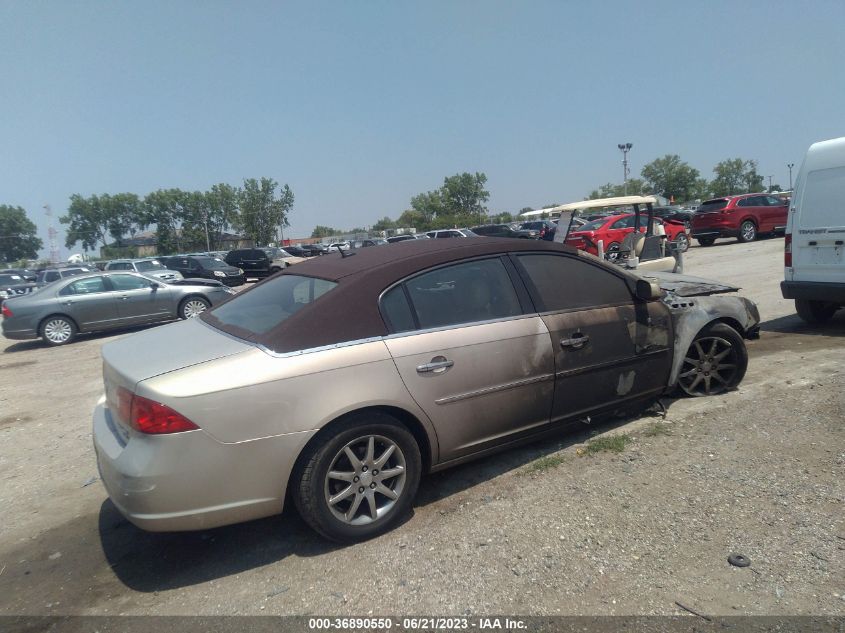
361,480
747,231
706,241
815,312
714,363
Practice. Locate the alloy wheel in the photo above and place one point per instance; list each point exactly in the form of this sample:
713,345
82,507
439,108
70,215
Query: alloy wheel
748,231
58,331
710,366
193,308
365,480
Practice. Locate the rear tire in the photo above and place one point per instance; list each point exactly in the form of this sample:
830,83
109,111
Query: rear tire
706,241
338,489
815,312
747,231
57,330
715,362
274,270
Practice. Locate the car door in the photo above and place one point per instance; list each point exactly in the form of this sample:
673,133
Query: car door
90,302
610,348
776,212
138,298
473,355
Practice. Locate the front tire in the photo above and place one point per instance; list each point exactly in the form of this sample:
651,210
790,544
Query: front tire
193,306
360,481
815,312
715,362
57,330
747,231
612,252
682,242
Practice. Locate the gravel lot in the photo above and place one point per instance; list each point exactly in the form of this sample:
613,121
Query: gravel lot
547,529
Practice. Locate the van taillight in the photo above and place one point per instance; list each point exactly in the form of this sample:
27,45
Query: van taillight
787,250
148,416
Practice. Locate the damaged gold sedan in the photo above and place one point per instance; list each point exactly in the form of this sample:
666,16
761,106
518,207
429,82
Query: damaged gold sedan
340,382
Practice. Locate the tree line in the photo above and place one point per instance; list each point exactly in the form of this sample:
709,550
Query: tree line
183,220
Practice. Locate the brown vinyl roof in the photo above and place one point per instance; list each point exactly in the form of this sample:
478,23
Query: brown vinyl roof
350,311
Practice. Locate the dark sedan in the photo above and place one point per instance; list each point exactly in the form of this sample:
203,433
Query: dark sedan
504,230
205,267
104,301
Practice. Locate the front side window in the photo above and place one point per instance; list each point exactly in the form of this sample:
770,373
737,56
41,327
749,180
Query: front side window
271,303
570,283
624,223
128,282
474,291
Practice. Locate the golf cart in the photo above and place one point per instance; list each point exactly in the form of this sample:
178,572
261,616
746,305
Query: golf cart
647,250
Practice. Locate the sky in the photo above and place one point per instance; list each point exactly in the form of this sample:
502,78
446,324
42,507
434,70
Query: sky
358,106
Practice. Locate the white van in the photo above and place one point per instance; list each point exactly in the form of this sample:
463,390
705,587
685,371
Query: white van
814,255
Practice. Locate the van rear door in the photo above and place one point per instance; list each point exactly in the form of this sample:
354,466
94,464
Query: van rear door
817,225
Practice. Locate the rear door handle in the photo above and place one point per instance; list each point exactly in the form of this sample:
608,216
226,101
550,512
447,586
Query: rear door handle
437,365
577,341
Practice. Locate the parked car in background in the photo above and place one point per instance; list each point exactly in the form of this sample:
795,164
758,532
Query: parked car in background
814,249
49,275
407,237
445,233
339,246
315,249
376,241
743,217
254,262
504,230
678,214
613,229
150,267
445,352
298,251
283,259
8,282
205,267
104,301
23,273
545,229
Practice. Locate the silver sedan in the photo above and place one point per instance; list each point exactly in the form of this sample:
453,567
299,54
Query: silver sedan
103,301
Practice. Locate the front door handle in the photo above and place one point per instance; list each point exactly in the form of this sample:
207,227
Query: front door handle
124,297
577,341
438,365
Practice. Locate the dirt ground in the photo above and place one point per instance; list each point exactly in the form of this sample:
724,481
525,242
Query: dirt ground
546,529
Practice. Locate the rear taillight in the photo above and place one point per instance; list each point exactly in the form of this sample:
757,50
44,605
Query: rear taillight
147,416
787,250
6,312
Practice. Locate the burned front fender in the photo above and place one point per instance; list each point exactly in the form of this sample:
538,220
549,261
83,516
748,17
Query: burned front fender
692,314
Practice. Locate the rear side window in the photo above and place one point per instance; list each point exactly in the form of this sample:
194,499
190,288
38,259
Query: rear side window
464,293
397,312
821,200
85,287
569,283
712,205
271,302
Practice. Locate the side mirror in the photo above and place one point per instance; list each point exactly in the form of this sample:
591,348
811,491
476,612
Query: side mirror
648,290
155,285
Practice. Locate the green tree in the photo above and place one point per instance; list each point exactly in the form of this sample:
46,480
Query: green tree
671,177
427,206
261,212
735,176
384,224
636,187
87,222
123,213
222,207
412,218
164,209
464,195
17,235
324,231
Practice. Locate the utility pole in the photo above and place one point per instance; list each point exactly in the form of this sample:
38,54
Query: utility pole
625,148
51,233
770,183
790,166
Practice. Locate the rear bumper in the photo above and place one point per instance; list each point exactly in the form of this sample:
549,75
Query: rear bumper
190,481
17,334
814,291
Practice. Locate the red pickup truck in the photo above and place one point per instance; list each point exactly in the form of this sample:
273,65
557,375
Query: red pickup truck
743,217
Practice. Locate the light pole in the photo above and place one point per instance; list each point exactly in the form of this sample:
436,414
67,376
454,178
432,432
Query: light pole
790,166
625,148
770,183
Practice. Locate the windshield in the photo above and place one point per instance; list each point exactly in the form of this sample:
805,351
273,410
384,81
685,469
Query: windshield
211,263
149,264
270,303
11,279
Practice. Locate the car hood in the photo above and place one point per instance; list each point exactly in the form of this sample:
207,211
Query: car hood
687,285
167,348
